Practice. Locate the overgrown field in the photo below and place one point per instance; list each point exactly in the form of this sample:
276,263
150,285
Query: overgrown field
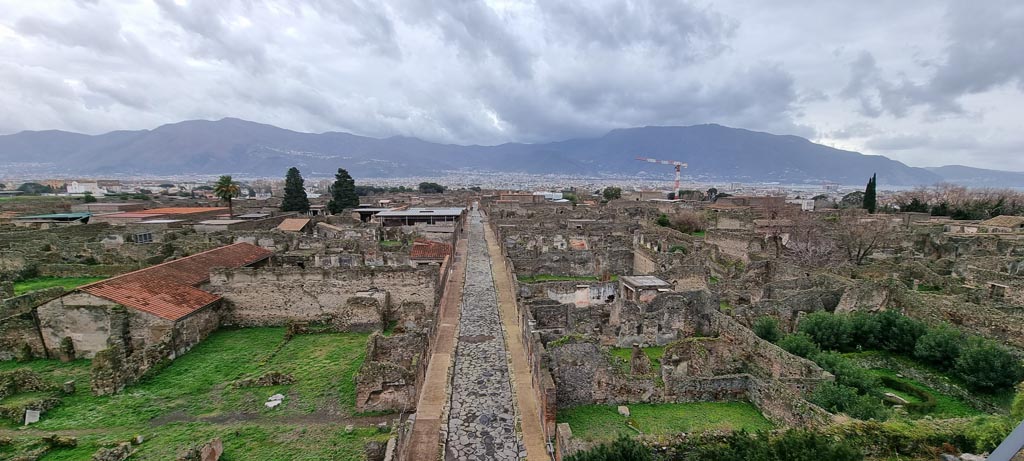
192,400
604,423
38,283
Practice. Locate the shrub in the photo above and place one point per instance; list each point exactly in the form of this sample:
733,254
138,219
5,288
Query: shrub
799,344
838,398
663,220
846,372
897,332
688,222
940,346
793,445
622,449
767,328
1017,409
988,432
863,329
987,366
612,193
829,331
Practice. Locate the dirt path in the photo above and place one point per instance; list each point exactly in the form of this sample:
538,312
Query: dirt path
526,399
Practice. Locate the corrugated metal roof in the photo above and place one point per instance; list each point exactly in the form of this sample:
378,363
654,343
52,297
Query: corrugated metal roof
168,290
57,216
421,212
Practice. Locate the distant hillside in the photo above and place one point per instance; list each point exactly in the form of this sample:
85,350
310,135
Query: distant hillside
236,146
978,177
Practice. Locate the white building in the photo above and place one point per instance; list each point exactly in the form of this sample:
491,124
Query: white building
93,188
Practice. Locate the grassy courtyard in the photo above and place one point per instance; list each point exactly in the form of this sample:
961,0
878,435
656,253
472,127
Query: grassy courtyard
654,353
39,283
192,400
600,423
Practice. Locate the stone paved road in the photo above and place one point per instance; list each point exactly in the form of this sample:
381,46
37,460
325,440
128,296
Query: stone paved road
481,423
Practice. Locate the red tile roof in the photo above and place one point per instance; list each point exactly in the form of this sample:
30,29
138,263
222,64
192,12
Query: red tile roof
429,249
293,224
185,210
168,290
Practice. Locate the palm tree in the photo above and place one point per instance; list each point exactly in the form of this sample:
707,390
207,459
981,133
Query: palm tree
226,189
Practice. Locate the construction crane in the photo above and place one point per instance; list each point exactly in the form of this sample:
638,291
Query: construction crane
674,163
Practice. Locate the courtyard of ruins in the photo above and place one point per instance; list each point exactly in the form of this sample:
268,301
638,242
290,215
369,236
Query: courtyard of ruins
488,325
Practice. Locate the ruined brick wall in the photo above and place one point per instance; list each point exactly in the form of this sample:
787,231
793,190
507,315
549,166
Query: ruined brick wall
784,406
583,374
351,299
723,388
85,270
547,249
19,325
1012,294
82,317
390,375
193,329
762,358
579,293
125,361
735,244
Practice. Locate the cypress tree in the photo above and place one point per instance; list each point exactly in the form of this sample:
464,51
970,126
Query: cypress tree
343,193
870,202
294,192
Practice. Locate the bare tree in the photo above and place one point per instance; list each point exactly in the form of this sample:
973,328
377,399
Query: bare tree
810,243
859,236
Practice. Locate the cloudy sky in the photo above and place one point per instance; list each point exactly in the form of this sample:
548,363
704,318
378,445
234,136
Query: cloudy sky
924,82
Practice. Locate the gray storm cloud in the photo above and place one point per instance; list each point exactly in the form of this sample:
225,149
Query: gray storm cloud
923,82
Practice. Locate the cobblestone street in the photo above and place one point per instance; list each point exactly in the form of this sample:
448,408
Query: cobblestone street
481,423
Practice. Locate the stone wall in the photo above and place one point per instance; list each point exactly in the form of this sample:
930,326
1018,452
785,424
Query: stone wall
350,299
85,270
736,244
389,377
82,317
20,327
580,293
584,374
784,406
126,360
762,358
565,252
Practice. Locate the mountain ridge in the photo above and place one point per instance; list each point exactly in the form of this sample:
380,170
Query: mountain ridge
233,145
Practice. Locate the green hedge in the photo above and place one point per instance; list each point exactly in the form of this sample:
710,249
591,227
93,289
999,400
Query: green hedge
928,400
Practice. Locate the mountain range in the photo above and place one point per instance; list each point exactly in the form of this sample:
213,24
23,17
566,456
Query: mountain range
234,146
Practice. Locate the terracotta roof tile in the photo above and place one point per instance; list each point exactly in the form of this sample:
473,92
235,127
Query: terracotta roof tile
429,249
168,290
293,224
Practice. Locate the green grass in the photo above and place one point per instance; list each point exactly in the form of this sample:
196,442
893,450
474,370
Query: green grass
390,243
654,353
560,278
697,233
603,423
945,406
180,404
712,280
39,283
